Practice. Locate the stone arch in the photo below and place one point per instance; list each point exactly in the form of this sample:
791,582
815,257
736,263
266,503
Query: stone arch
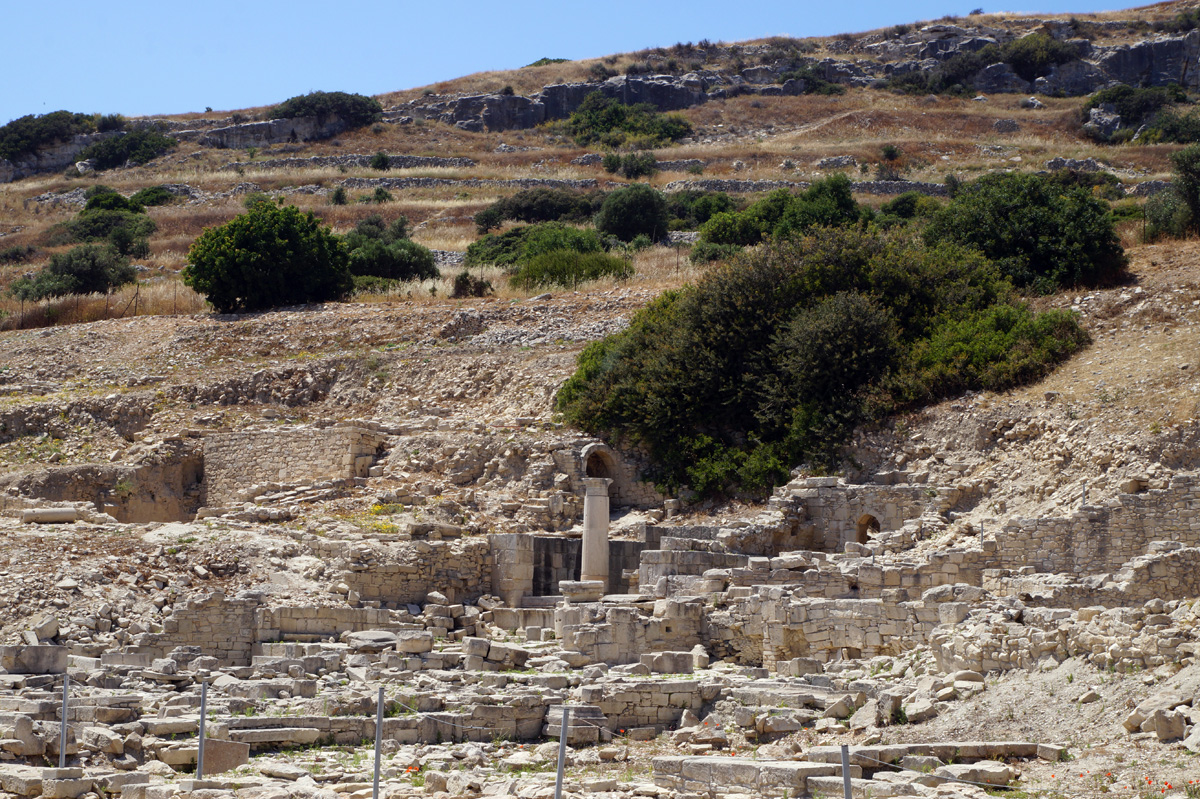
867,524
598,461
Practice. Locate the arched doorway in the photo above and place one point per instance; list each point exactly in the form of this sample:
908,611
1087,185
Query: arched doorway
600,464
867,524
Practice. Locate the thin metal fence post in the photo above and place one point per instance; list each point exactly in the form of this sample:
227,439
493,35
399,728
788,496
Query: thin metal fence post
62,728
378,741
846,770
203,713
562,753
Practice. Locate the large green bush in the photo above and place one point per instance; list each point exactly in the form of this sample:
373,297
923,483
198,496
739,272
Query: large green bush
107,216
399,260
355,110
137,146
86,269
607,121
632,211
28,134
827,202
691,208
540,205
520,244
568,268
772,360
1041,235
266,257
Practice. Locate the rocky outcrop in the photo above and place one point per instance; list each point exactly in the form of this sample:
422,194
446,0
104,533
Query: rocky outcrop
1102,122
861,187
53,158
1075,78
273,131
999,79
1155,63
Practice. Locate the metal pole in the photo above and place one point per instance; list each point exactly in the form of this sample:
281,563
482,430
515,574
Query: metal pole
62,728
846,770
203,713
562,753
378,741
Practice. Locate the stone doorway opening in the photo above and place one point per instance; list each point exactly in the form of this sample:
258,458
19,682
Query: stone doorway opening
867,524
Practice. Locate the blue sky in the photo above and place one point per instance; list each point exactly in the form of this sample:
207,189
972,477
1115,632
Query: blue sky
139,58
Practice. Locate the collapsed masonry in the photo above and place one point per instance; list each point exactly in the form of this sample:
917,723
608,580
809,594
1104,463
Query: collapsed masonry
815,614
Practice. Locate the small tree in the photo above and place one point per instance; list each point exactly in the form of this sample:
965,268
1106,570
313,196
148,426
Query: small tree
87,269
266,257
1186,164
632,211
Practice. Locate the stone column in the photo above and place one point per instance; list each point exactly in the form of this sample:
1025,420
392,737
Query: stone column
595,530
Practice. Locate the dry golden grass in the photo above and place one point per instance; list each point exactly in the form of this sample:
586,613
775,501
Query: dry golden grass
152,298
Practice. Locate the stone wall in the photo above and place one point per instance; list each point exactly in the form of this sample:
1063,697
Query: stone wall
222,628
649,703
235,461
310,623
403,573
621,634
1102,538
846,513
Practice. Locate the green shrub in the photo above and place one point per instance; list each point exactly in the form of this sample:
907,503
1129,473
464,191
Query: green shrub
691,208
126,230
269,256
731,229
1185,165
467,285
1034,56
542,62
137,147
813,83
607,121
631,165
355,110
1167,215
28,134
568,268
86,269
827,202
111,200
1135,105
381,161
634,210
704,252
17,254
1173,126
539,205
1031,57
1042,236
772,360
523,243
400,260
152,195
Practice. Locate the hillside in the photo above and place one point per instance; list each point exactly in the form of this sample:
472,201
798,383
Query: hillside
303,506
